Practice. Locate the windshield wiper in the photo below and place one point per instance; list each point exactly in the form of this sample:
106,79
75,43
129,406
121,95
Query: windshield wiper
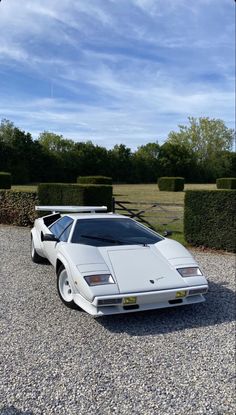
98,238
114,241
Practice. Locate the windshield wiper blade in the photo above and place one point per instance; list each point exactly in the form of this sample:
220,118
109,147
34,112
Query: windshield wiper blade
98,238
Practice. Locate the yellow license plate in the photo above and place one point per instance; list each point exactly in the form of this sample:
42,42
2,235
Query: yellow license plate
180,294
129,300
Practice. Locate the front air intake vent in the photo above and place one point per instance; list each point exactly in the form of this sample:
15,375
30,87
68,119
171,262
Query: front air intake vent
110,301
196,291
176,301
131,307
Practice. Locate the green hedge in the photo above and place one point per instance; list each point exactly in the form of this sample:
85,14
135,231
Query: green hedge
94,180
5,180
209,218
75,194
171,184
17,208
226,183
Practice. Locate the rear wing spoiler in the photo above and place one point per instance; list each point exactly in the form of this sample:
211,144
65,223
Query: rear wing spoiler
71,209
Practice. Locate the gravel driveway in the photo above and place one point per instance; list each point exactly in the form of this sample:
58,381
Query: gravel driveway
58,361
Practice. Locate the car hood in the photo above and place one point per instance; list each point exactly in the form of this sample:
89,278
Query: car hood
136,268
142,268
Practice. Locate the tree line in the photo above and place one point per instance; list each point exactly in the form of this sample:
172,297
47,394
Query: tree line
200,151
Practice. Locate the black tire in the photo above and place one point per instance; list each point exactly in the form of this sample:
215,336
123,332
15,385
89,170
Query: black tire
63,292
36,258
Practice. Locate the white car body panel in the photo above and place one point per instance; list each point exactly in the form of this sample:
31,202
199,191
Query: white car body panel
146,272
147,301
171,249
135,267
50,249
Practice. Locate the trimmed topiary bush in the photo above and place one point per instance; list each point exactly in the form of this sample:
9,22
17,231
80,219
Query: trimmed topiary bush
5,180
226,183
17,208
209,218
171,184
75,194
94,180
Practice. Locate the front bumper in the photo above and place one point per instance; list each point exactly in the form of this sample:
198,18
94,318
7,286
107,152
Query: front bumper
144,300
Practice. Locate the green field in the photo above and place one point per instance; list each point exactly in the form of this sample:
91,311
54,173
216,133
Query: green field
162,217
139,192
150,192
25,188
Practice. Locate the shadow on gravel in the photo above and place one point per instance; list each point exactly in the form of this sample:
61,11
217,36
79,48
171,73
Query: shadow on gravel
218,308
11,410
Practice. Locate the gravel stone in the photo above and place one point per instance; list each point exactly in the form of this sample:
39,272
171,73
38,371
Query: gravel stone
54,360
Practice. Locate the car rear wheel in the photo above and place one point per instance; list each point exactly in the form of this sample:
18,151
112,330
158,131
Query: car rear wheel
34,255
64,288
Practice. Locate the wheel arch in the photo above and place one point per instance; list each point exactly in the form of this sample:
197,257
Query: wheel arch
59,263
37,242
34,236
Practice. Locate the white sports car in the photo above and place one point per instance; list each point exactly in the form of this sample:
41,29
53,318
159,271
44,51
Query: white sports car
109,264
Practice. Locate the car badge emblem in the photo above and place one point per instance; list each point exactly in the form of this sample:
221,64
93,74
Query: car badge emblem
156,279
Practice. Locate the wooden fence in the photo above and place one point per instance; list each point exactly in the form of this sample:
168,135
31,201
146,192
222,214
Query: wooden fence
153,214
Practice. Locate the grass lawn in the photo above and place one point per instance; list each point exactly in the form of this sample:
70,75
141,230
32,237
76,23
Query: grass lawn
150,192
160,218
137,192
25,188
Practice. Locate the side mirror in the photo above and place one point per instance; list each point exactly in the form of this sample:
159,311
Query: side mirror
167,233
49,237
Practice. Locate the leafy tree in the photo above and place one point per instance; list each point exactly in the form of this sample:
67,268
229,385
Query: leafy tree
199,152
6,131
205,137
146,163
43,165
62,154
55,143
121,163
177,160
18,145
91,159
225,165
149,151
24,158
5,157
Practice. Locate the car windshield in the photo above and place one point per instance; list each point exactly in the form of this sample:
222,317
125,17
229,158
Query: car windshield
110,232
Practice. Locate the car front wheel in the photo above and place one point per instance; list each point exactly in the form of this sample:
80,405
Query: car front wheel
64,288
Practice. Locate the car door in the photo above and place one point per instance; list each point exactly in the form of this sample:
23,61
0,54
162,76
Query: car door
61,230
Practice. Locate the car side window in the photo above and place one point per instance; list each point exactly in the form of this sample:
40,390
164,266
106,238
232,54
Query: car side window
60,226
65,235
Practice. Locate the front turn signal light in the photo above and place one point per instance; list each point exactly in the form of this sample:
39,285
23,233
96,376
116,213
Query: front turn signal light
99,279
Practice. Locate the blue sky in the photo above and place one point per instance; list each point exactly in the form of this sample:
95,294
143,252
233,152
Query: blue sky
115,71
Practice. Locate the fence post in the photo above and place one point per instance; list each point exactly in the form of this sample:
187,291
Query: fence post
113,205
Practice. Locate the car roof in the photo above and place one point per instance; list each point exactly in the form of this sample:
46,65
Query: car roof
94,216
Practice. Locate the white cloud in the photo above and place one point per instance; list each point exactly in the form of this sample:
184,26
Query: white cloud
127,70
146,116
12,52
